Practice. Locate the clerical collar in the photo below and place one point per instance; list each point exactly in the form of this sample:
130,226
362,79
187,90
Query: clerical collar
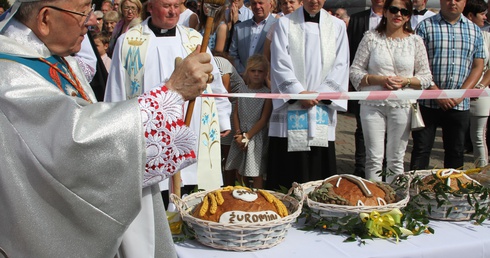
417,12
161,32
309,18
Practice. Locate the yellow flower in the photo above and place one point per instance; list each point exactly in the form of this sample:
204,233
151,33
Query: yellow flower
381,224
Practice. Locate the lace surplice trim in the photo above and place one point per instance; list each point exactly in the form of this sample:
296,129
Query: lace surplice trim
169,143
88,71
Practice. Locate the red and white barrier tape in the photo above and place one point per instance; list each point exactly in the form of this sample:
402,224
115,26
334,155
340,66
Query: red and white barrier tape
365,95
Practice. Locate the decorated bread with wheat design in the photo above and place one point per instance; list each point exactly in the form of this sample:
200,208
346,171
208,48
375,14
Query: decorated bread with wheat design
450,177
240,205
354,191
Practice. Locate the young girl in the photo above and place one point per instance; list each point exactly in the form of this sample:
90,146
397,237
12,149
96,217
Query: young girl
219,31
248,151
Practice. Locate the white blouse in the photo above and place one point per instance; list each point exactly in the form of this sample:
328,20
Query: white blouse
378,55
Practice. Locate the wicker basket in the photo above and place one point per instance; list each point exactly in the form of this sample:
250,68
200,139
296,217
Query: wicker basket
234,237
459,207
323,210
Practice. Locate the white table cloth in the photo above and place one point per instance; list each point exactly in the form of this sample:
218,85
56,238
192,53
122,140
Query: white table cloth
451,240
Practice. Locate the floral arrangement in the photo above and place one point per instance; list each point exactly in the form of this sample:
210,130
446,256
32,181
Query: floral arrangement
395,225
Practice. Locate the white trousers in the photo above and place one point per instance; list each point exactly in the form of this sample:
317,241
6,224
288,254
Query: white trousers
378,121
478,128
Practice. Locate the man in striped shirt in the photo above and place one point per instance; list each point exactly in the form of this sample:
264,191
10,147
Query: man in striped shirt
456,52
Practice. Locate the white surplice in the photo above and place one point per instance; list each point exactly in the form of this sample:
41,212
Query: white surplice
285,77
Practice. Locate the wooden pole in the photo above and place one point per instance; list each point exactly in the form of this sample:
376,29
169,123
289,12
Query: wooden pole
177,178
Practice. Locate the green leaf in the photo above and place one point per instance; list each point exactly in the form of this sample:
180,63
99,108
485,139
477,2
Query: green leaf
350,239
448,211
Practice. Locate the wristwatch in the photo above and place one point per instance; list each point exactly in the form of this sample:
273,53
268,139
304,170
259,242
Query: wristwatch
408,83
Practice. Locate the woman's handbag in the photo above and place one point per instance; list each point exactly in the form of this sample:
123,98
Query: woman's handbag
417,120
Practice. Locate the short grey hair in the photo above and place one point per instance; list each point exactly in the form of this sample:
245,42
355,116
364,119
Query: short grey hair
28,10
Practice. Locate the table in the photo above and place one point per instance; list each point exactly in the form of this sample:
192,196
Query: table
450,240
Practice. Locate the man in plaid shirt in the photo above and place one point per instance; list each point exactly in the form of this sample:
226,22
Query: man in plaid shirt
455,50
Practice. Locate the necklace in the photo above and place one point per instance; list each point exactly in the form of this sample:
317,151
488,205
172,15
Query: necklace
74,82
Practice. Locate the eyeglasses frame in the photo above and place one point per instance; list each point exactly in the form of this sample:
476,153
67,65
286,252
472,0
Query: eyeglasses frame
88,15
132,8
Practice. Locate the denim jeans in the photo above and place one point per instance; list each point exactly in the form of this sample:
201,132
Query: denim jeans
454,124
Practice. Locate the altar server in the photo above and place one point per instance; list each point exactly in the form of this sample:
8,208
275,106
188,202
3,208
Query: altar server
309,54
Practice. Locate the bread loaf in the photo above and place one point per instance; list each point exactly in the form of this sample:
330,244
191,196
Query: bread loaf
450,177
352,190
239,205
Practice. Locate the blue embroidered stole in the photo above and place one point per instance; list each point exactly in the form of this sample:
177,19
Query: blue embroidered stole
46,71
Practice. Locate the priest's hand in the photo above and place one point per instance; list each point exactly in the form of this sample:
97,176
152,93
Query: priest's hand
190,76
224,133
308,103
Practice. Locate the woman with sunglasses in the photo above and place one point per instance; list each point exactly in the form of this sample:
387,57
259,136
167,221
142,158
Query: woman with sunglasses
390,57
131,16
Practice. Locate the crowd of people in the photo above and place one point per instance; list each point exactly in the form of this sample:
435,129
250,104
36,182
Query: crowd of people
101,108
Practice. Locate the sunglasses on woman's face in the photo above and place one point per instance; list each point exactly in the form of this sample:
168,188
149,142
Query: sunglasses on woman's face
395,10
